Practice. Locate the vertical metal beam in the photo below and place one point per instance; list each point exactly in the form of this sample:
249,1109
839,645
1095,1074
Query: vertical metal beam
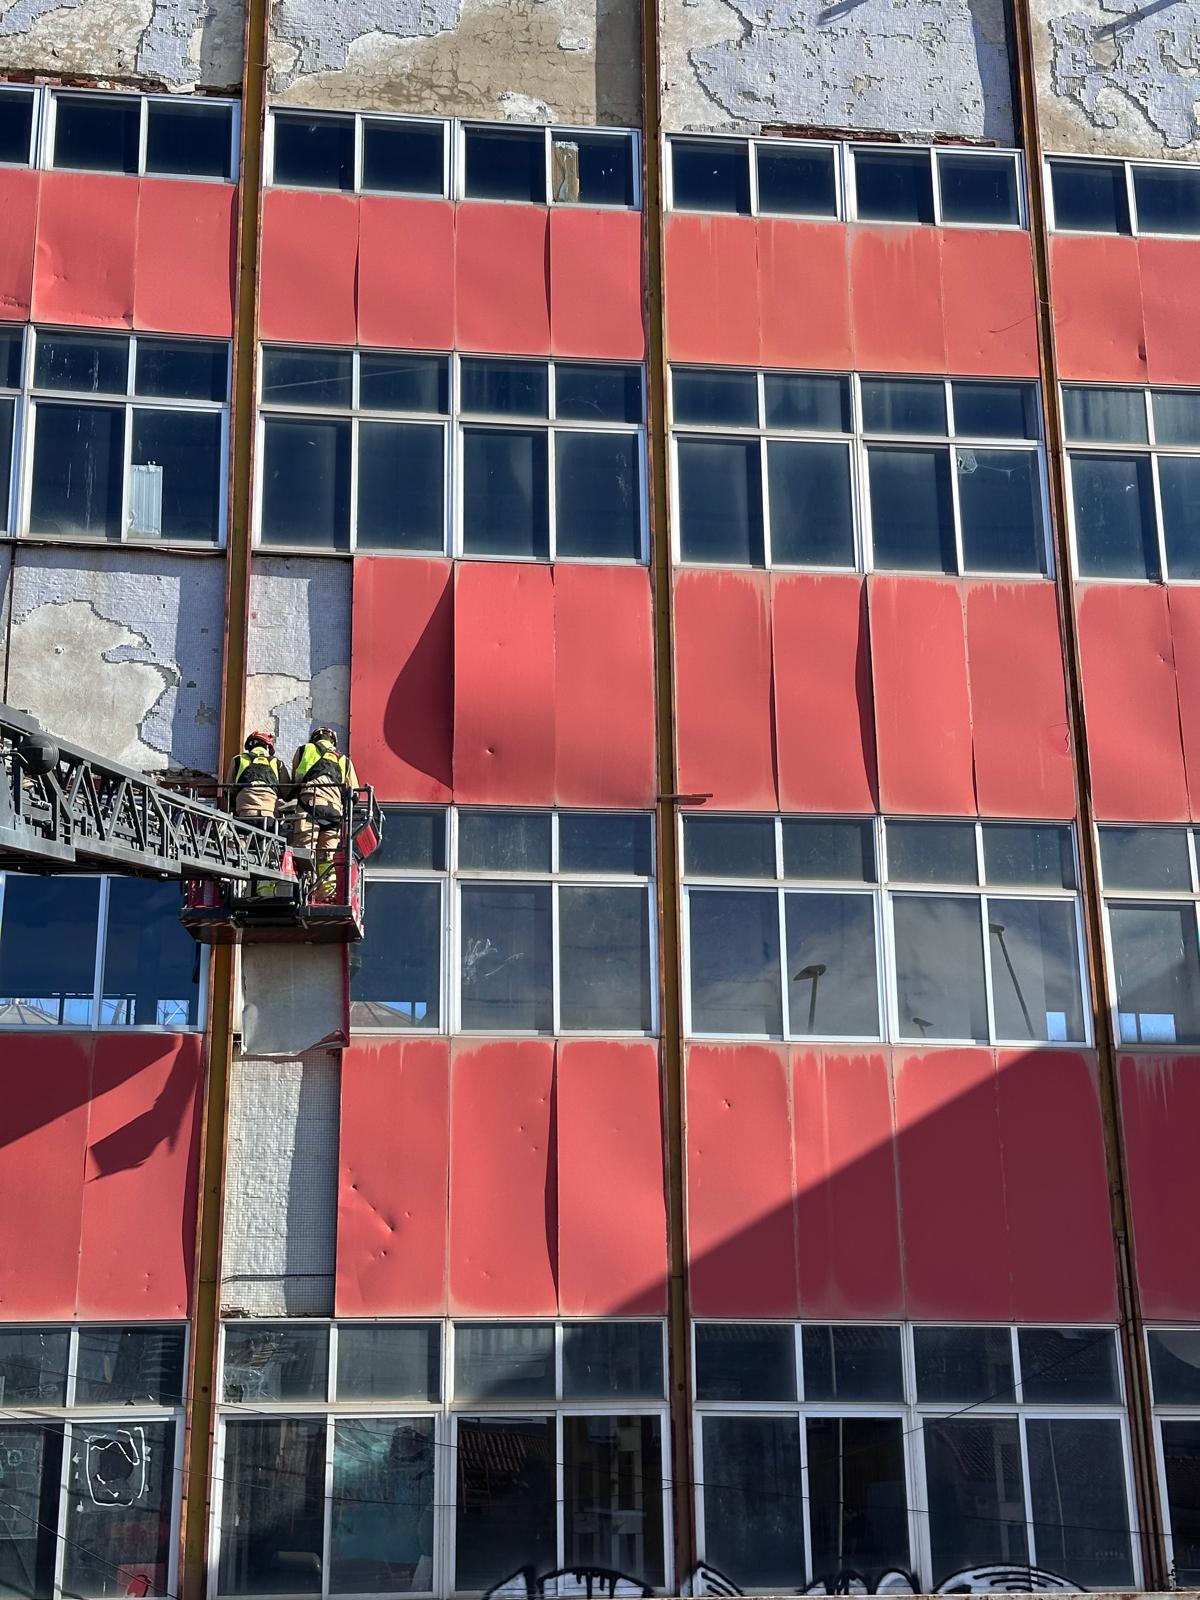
1133,1345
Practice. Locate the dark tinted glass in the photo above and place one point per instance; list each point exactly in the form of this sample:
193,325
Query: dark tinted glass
403,1362
720,501
1181,1459
995,410
188,140
33,1484
1028,853
274,1520
175,489
811,501
7,414
793,181
592,169
16,128
893,185
150,977
396,972
1177,416
86,363
398,382
271,1361
1145,858
33,1367
613,1359
401,474
851,1363
979,189
1168,199
706,395
383,1504
130,1366
504,1361
719,847
306,483
963,1365
1079,1499
745,1361
833,983
912,509
604,959
975,1493
809,404
940,991
505,959
1096,415
294,377
97,134
903,405
1115,532
1179,495
48,950
597,393
1175,1366
506,508
596,842
753,1511
504,388
1071,1365
78,467
1000,508
414,839
1090,196
858,1501
181,369
504,841
506,1509
404,157
11,346
709,176
735,969
932,852
506,164
314,152
598,496
613,1466
841,852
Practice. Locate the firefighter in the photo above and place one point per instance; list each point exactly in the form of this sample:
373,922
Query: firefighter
323,780
257,780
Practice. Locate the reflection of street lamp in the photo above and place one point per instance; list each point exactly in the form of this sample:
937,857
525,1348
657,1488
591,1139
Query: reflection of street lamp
998,929
924,1024
815,971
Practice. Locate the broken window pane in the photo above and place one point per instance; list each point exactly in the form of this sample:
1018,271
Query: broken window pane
903,405
720,501
401,476
613,1494
1168,199
735,962
1157,966
729,847
267,1361
1080,1505
48,950
273,1515
932,852
402,1361
745,1361
306,482
151,971
399,382
1000,504
175,488
505,164
716,397
840,852
1028,853
302,377
833,985
964,1365
608,1359
912,509
939,968
592,169
707,175
504,841
381,1532
404,157
1115,532
598,495
181,369
130,1366
504,388
32,1457
806,402
753,1514
893,185
313,152
1145,858
507,1491
604,957
858,1495
97,133
84,363
1074,1366
595,392
188,139
119,1499
1090,196
504,1361
1035,969
843,1362
1181,1462
395,973
1175,1365
33,1366
978,189
975,1495
505,492
796,182
506,969
995,410
812,520
1179,493
596,842
1098,415
16,128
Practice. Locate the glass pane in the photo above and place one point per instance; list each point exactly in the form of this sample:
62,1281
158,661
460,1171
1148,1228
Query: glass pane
1070,1366
932,852
181,369
903,405
48,950
1000,503
401,1362
1175,1365
812,520
12,345
1158,973
1080,1504
506,977
590,841
840,852
1168,199
381,1534
314,152
398,382
939,968
16,128
734,954
271,1361
415,839
1104,416
858,1497
979,189
504,841
893,185
401,473
97,134
273,1512
33,1367
1028,853
1114,516
720,501
7,413
175,489
505,1521
151,974
722,398
292,377
592,169
130,1366
1090,196
598,496
1181,1460
119,1496
709,176
603,1359
995,410
85,363
1035,970
306,483
745,1361
504,388
78,466
404,157
1179,489
506,164
395,973
807,403
833,983
729,847
30,1487
753,1518
964,1365
505,492
613,1492
504,1361
851,1363
584,392
604,959
1177,416
1145,858
796,182
912,509
190,141
975,1495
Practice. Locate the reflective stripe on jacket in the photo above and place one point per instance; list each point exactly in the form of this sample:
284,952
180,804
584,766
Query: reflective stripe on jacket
321,763
256,770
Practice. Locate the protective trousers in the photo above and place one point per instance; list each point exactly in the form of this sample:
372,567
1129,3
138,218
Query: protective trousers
318,836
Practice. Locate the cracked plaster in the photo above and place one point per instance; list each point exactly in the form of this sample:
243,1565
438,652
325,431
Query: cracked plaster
177,44
298,669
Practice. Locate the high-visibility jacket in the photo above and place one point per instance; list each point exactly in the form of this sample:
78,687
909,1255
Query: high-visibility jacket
319,762
255,769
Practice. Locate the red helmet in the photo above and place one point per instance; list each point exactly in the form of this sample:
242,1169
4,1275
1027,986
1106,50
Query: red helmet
267,740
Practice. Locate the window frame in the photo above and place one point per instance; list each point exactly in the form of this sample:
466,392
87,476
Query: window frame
1147,899
1131,165
45,124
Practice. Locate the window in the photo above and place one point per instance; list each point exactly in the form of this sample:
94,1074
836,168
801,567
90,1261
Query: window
18,122
1125,197
1175,1381
95,953
820,1453
1151,893
548,916
158,135
832,470
973,936
90,1469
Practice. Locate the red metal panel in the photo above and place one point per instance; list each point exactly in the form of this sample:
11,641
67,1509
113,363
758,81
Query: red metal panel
711,270
185,257
824,718
1160,1110
406,272
86,247
612,1219
503,684
1056,1187
740,1188
896,299
1183,604
922,706
47,1081
18,207
1022,735
1097,298
596,283
989,303
309,267
956,1256
804,289
393,1178
137,1240
401,676
1130,703
503,1183
724,716
1168,270
847,1220
502,279
603,686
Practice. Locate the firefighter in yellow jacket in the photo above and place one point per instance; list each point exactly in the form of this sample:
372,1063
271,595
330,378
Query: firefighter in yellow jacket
257,780
323,781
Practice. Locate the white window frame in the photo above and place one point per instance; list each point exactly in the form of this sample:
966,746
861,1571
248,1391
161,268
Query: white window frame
51,97
1163,1412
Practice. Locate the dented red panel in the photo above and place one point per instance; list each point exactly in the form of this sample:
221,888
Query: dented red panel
1183,603
401,676
186,236
603,686
18,207
1130,703
723,697
711,290
804,291
989,302
86,250
740,1187
309,267
502,278
896,299
596,283
847,1219
1020,726
1097,298
406,272
503,1181
1171,316
612,1219
922,705
825,738
393,1178
1160,1111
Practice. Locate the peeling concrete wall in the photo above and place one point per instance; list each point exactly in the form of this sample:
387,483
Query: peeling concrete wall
298,662
574,61
1119,77
916,67
120,650
293,998
176,44
281,1187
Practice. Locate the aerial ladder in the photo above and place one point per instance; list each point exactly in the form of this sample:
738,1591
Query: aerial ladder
64,809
